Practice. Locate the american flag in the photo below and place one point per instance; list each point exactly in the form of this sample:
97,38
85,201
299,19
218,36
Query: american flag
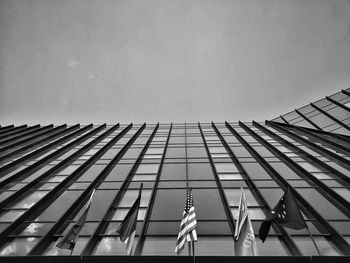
188,225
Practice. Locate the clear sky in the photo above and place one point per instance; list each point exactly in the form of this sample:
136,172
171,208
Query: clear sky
69,61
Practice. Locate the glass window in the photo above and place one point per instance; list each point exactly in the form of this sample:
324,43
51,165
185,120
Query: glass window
91,173
240,152
11,215
131,195
254,213
57,179
155,151
255,171
144,177
119,172
169,204
197,152
68,170
307,247
284,171
321,204
78,248
233,196
344,192
175,153
102,199
173,172
208,204
148,168
271,247
161,246
36,229
230,177
19,246
226,168
112,246
30,200
217,150
214,246
121,213
59,206
272,195
200,171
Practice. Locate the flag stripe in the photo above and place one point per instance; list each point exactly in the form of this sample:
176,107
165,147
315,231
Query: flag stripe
187,232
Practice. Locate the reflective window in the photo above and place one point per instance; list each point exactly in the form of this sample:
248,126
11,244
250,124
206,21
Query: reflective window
19,246
148,168
30,200
112,246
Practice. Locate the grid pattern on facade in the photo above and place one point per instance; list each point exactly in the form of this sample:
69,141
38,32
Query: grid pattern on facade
48,172
330,114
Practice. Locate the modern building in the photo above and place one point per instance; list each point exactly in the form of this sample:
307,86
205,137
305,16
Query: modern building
48,172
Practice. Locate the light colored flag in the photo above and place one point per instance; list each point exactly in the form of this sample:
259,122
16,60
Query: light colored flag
245,243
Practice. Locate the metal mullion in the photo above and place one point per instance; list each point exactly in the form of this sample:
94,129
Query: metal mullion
19,133
74,209
338,104
89,247
330,116
332,144
225,203
12,165
314,132
283,119
307,209
28,143
336,199
345,92
292,247
55,168
317,148
307,119
141,240
28,132
8,129
344,179
22,221
4,128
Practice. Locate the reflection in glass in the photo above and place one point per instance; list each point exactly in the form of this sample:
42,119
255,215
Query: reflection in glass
19,246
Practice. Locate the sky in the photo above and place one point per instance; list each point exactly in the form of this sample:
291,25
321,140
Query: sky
97,61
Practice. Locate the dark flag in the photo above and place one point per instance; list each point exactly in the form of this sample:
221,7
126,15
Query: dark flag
69,240
188,225
245,243
285,213
127,228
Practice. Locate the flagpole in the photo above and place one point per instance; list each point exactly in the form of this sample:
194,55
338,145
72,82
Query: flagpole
189,243
194,255
313,241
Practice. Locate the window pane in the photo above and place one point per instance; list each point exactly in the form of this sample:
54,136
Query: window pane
19,247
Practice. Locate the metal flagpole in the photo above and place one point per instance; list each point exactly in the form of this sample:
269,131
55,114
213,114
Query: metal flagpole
189,243
313,241
194,255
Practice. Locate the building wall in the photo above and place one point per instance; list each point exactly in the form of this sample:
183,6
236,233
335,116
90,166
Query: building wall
47,174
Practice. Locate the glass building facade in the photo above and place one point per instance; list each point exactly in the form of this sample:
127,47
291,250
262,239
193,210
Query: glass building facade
47,174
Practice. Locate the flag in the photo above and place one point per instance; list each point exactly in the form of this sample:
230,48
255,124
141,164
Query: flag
188,224
69,240
285,213
127,228
245,243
